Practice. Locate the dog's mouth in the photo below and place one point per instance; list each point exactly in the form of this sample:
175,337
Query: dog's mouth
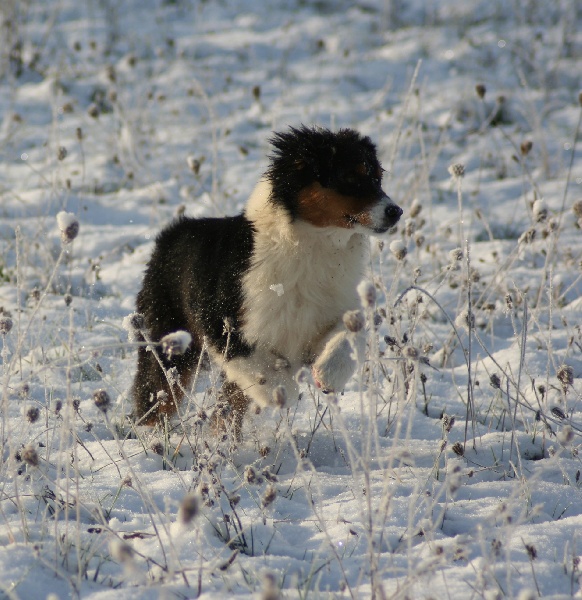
379,219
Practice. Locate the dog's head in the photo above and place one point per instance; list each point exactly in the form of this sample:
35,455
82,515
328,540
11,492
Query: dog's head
330,180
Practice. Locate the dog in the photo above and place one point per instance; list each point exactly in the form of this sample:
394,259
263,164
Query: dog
264,292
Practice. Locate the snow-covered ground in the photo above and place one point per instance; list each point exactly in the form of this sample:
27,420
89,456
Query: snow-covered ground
450,466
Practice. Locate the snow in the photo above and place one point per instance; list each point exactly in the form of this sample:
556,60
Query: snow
450,466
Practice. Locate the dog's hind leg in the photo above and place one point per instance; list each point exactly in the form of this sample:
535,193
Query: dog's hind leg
232,415
160,381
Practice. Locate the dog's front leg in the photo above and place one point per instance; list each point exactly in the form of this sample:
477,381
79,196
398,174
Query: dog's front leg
337,360
259,374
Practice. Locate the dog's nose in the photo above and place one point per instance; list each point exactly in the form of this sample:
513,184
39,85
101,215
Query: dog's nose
392,213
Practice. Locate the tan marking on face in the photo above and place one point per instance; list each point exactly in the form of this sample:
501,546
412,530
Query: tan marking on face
324,207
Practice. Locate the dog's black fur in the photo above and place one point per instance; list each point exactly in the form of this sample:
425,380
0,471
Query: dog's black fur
176,296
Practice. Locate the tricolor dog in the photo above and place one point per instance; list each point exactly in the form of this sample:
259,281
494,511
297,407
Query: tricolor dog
264,292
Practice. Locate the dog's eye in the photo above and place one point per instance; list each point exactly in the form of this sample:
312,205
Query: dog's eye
351,179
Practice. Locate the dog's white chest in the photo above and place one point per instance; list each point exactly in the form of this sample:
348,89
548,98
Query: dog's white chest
297,289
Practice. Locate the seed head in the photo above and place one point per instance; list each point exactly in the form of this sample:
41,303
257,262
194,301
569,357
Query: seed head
266,473
465,320
102,400
176,344
454,477
303,375
398,249
111,74
577,208
269,496
458,449
367,293
121,551
68,225
390,341
448,422
162,397
189,508
193,164
531,551
525,147
354,320
250,475
280,396
62,153
455,255
540,212
457,171
566,435
527,237
32,413
157,447
415,208
133,323
565,375
270,590
29,455
93,110
481,90
409,227
494,381
5,325
411,353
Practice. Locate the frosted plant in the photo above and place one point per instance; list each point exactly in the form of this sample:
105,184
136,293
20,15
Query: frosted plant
68,225
398,249
175,344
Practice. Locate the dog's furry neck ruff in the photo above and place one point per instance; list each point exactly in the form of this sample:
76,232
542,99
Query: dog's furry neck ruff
302,278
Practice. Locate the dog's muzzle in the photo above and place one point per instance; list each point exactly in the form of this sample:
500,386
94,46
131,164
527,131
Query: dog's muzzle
391,216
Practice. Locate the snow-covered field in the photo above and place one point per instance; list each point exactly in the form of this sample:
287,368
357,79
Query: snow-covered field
450,466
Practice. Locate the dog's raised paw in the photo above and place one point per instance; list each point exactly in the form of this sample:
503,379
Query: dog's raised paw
335,365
